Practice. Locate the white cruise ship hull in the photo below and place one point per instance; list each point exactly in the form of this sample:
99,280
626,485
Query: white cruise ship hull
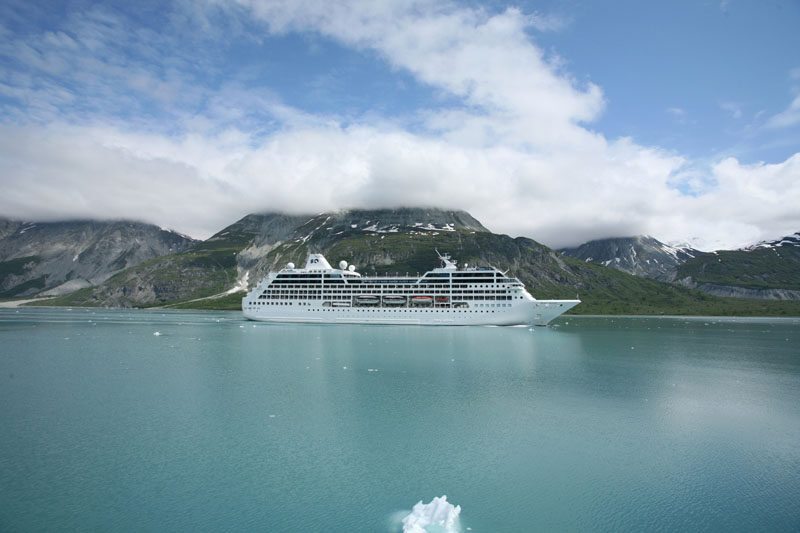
526,312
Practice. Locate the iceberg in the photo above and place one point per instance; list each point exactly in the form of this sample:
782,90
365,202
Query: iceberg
439,516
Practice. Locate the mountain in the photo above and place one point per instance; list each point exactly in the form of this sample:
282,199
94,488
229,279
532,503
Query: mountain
245,251
640,255
52,258
323,231
767,270
215,273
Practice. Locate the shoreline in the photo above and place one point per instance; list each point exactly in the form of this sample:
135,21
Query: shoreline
11,304
17,304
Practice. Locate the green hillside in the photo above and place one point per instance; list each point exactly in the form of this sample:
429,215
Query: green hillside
760,268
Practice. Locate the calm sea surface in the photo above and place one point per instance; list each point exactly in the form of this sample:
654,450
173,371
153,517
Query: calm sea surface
216,423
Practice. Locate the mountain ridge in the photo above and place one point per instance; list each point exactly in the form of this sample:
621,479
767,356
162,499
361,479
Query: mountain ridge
214,273
765,270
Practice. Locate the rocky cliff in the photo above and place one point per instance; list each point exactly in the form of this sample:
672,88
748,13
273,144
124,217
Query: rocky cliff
52,258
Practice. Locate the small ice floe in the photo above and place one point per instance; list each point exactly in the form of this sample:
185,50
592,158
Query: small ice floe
439,515
272,416
344,368
157,334
372,370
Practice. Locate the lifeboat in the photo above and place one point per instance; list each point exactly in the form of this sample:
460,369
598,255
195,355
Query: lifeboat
393,299
421,300
367,299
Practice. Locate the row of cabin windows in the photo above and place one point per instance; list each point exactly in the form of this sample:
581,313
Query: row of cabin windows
312,276
405,292
348,297
437,278
285,283
384,309
489,274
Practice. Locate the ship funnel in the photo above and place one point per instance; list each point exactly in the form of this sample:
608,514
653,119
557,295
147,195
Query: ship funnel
317,262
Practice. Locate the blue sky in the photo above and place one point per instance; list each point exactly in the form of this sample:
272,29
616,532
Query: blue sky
699,77
561,121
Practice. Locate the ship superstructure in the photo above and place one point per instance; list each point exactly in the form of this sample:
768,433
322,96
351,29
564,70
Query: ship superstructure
446,295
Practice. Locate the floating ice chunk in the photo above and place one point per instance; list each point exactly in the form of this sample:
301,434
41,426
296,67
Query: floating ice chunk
437,516
157,333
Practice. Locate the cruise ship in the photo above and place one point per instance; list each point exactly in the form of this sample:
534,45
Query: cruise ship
446,295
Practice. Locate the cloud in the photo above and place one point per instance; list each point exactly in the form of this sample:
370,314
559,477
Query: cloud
733,108
485,59
679,115
133,129
198,184
787,118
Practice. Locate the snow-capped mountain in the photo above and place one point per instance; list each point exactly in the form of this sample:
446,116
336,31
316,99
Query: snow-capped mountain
766,270
640,255
791,240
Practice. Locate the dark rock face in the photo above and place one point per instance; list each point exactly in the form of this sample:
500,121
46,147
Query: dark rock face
730,291
641,255
52,258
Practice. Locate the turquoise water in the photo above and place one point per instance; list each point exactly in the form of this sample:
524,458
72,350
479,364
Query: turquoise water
220,424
